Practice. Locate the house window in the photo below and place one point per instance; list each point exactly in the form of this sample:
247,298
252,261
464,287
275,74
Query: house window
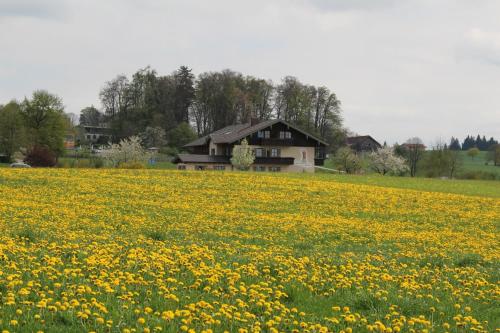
285,135
304,155
212,151
275,152
264,134
219,167
181,167
199,167
259,168
259,152
274,168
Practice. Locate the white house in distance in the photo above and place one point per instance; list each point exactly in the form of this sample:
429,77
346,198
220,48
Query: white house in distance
277,145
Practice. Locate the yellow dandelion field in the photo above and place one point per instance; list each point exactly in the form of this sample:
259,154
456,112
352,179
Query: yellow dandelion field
168,251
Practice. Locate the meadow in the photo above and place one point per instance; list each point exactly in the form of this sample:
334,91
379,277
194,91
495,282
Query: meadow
167,251
478,163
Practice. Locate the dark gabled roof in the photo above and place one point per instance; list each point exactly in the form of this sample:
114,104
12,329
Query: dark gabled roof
234,133
204,139
195,158
353,140
198,142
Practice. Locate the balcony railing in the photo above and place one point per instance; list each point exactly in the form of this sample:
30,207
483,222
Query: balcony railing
275,142
274,160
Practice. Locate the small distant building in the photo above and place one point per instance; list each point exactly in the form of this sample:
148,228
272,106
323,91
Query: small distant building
363,144
95,134
414,146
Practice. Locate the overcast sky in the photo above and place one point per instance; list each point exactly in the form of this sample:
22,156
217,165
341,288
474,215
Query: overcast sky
428,68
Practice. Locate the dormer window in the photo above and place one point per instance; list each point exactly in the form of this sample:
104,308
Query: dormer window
285,135
264,134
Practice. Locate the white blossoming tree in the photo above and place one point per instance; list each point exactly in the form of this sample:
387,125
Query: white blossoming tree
384,161
128,150
243,156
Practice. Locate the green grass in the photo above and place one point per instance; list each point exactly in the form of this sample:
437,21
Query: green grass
466,187
478,163
4,165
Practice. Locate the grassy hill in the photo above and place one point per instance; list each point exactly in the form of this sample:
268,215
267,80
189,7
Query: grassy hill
458,186
478,163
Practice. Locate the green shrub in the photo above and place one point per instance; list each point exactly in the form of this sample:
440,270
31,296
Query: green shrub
40,156
478,175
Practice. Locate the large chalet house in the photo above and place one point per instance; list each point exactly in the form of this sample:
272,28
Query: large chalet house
277,146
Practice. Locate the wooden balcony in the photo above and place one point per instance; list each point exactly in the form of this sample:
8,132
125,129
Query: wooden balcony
274,160
275,142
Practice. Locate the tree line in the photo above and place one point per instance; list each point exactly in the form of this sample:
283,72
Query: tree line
479,142
210,101
470,142
170,110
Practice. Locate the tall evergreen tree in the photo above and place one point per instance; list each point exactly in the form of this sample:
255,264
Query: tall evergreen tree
454,144
183,94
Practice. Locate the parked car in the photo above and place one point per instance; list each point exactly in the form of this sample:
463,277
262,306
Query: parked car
20,165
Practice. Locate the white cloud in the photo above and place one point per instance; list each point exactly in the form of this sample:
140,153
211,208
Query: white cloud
401,68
